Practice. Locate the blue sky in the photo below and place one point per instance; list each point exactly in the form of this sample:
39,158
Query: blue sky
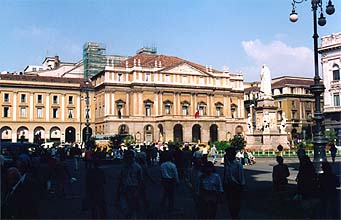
241,35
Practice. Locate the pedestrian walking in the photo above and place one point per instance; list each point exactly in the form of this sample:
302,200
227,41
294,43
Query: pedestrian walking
169,178
130,183
213,153
209,192
328,182
95,195
307,187
280,173
333,151
233,182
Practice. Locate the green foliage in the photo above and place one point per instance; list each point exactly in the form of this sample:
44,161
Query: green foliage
238,142
222,145
330,135
128,140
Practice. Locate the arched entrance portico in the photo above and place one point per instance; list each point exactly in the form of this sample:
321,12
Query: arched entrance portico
196,133
39,135
161,134
55,134
70,135
213,133
22,134
178,133
6,134
148,134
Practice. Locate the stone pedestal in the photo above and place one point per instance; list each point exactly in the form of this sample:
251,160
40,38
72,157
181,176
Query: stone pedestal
266,135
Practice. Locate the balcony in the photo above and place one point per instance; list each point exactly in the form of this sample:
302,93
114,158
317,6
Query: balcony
335,85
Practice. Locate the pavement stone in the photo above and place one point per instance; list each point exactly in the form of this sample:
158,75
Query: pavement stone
258,200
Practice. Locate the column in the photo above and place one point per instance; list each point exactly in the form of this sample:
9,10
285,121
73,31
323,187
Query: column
63,107
15,110
78,107
113,103
161,103
140,103
212,106
127,104
47,104
31,108
156,106
106,103
135,107
225,106
174,103
208,106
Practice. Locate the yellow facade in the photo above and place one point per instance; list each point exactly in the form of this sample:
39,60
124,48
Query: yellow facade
49,107
155,98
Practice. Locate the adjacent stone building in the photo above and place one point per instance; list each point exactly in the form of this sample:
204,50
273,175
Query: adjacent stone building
47,108
330,51
293,98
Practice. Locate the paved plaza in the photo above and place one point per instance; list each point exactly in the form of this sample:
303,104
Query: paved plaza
258,200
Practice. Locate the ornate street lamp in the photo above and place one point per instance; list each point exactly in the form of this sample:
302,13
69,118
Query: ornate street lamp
317,88
87,123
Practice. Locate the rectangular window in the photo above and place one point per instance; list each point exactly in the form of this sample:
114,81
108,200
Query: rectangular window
6,97
148,110
293,114
168,109
119,78
55,113
23,112
336,99
202,110
5,112
55,99
201,80
23,98
39,112
70,100
34,69
218,109
167,78
217,81
184,79
70,113
147,79
184,110
39,99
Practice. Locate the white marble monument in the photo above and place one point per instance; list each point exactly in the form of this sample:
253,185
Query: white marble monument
267,133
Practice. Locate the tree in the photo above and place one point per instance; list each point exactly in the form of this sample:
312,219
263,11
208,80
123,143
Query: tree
238,142
222,145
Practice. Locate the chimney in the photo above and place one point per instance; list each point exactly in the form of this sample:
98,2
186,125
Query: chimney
160,64
210,70
127,64
134,62
156,63
206,68
139,62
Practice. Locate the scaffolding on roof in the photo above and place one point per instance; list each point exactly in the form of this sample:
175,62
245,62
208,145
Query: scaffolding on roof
94,59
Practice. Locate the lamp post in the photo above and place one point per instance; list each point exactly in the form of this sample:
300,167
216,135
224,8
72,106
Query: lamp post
87,123
317,88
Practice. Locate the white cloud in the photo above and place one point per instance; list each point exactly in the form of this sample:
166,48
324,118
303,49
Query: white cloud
281,58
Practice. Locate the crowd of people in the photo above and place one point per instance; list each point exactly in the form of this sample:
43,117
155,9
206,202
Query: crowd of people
48,170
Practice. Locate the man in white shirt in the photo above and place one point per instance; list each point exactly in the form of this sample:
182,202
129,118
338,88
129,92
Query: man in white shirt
169,178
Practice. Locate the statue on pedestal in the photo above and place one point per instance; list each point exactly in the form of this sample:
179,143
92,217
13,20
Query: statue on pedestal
266,122
283,123
249,123
265,86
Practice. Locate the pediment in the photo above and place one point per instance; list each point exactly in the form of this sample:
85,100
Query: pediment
185,68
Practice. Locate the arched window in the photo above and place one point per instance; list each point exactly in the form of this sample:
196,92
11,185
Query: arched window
336,72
